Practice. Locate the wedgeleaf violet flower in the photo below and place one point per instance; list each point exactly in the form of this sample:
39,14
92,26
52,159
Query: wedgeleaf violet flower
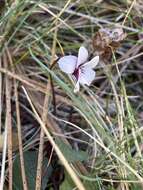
80,69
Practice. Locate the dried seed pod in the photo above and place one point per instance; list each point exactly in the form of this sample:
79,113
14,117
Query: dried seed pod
107,39
117,35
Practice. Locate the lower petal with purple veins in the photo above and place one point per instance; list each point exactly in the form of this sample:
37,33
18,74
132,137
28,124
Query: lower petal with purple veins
87,75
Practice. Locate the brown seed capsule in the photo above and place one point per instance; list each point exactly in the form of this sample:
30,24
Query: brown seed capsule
106,40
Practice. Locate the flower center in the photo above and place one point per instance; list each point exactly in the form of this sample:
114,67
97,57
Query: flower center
76,73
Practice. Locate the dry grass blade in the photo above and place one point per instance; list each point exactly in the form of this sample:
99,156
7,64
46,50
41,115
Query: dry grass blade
0,94
9,125
2,177
41,143
22,79
44,115
24,180
40,160
69,169
95,19
25,187
132,5
89,140
55,128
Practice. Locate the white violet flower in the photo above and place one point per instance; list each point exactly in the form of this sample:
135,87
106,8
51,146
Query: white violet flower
80,69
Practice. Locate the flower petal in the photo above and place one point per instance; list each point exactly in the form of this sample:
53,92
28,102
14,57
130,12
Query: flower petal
82,56
87,75
68,63
77,87
93,62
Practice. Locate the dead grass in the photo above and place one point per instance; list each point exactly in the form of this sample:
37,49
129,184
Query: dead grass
37,101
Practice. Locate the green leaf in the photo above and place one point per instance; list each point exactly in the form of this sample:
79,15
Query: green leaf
30,160
71,154
67,183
